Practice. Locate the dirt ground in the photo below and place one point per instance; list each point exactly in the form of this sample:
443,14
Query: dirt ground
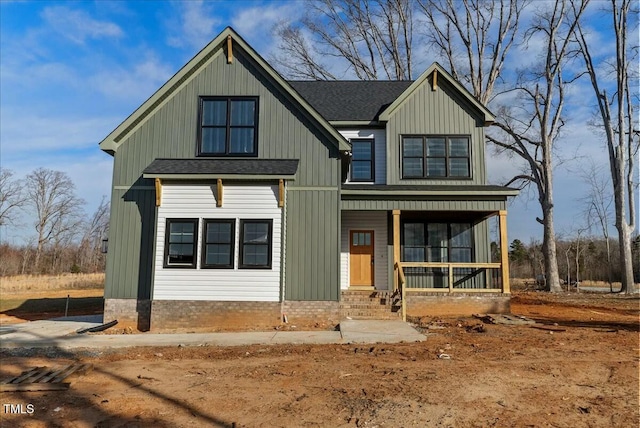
584,373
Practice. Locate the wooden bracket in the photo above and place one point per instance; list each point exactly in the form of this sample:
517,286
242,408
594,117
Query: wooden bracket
229,50
434,83
158,192
219,196
280,193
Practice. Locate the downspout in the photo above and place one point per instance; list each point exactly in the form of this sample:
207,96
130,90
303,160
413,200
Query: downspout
283,255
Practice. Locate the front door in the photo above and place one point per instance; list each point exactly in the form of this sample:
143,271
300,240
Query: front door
361,257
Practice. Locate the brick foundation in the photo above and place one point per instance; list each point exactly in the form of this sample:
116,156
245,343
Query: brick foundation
173,314
459,304
129,313
312,311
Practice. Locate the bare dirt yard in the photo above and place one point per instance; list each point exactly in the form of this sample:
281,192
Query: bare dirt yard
581,371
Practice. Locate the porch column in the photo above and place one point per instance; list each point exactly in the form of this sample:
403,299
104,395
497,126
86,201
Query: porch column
396,246
504,252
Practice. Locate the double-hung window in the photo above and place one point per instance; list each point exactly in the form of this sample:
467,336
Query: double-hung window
217,244
435,157
180,243
228,126
255,244
362,160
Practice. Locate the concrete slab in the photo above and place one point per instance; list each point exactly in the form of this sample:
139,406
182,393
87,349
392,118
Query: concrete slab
373,331
61,334
47,329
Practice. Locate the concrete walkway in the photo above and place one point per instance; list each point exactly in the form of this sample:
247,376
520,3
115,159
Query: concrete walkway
61,333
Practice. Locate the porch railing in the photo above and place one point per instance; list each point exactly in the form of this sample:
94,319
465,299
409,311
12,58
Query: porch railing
466,272
400,288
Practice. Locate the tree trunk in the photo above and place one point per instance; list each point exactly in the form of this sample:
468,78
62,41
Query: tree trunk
626,260
552,277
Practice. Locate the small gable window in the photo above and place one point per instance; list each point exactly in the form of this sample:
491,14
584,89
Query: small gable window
435,157
362,160
228,126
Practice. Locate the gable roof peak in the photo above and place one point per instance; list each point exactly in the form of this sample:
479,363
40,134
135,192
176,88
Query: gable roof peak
435,67
111,143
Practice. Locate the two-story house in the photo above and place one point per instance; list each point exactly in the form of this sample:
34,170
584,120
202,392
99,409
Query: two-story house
239,197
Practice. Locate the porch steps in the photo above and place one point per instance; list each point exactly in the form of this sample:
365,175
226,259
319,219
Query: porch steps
369,305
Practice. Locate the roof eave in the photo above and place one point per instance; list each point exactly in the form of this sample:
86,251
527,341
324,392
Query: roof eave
504,193
208,176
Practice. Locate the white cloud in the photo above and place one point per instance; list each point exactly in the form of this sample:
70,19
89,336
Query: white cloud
135,82
196,25
78,25
26,135
255,23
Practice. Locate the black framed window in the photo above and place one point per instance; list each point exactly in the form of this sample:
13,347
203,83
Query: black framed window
437,242
362,160
181,236
228,126
255,244
426,156
218,244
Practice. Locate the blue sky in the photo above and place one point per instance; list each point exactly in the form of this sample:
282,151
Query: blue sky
70,72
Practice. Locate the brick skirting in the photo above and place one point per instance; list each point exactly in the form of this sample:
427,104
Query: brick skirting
459,304
172,314
129,313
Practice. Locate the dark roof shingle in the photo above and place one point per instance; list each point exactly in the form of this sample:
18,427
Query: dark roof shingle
350,100
276,167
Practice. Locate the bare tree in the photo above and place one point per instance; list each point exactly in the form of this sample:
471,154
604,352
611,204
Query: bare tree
530,129
95,229
597,207
12,198
620,125
58,210
373,36
474,37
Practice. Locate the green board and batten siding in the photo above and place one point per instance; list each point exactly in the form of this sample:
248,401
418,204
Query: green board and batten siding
284,132
440,112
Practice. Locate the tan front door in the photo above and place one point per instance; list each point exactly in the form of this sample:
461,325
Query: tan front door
361,257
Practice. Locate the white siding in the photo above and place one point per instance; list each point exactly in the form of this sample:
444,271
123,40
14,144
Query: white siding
365,220
380,150
240,202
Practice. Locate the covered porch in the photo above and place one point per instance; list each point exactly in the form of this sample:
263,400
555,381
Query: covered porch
436,245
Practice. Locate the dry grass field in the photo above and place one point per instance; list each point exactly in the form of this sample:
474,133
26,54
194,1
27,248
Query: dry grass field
33,297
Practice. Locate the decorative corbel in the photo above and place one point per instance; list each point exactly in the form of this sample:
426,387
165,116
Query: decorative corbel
219,198
281,193
229,50
158,192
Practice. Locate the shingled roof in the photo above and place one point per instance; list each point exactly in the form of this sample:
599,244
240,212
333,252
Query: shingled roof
350,100
202,166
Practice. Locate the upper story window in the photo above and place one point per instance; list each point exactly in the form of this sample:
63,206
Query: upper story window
362,160
228,126
426,156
